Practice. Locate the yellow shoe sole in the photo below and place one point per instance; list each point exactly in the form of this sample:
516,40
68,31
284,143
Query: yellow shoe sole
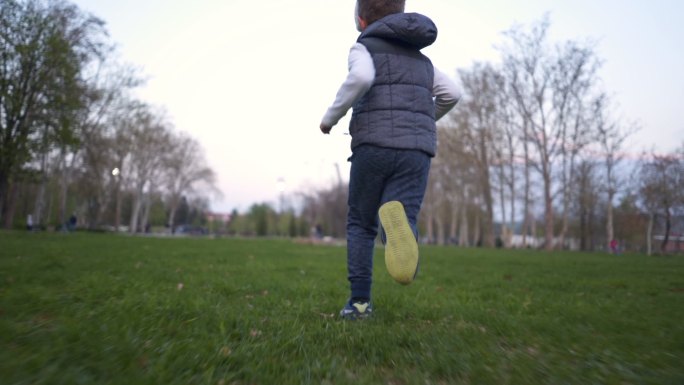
401,250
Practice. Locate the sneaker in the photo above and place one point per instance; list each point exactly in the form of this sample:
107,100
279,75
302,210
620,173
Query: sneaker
401,250
356,310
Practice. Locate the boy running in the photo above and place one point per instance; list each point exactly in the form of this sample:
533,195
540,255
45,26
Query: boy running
397,96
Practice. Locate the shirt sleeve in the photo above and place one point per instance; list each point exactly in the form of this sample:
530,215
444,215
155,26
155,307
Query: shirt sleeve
446,94
359,81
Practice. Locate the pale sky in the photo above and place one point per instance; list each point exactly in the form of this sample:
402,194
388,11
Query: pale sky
250,80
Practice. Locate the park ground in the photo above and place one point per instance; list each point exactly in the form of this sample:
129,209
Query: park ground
111,309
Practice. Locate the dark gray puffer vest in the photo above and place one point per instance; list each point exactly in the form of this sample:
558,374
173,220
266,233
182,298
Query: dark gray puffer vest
398,111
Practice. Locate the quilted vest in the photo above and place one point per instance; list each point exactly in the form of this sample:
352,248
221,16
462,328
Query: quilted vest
398,110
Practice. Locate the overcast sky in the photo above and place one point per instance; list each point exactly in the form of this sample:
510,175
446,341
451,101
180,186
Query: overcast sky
251,79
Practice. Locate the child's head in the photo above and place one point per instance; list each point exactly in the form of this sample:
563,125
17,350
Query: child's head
370,11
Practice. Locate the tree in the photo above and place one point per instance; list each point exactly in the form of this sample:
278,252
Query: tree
587,200
661,191
260,218
611,136
150,141
507,157
106,125
551,88
185,171
45,47
629,222
436,200
481,129
327,207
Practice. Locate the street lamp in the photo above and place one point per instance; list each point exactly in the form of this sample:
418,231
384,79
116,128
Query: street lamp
117,187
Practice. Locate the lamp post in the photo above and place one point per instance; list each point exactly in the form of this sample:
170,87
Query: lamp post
116,173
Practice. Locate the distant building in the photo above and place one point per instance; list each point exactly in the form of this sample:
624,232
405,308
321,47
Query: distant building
218,217
518,241
675,242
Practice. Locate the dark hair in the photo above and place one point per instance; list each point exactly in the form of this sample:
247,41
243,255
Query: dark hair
374,10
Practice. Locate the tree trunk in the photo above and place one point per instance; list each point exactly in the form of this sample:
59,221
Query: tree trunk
49,208
502,197
172,218
566,209
548,213
101,210
512,185
583,226
533,231
563,232
117,209
135,212
439,223
463,228
64,188
147,206
526,202
11,205
649,235
609,219
4,189
668,227
39,207
454,224
477,231
488,221
589,224
512,217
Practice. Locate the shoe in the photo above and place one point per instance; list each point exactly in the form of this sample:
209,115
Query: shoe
401,249
356,310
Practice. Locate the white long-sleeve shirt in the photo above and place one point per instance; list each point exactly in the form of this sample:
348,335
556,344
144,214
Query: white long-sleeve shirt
360,79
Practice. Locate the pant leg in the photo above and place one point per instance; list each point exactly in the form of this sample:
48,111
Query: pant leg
369,169
408,182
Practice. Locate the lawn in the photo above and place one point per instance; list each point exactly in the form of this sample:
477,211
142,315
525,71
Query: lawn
105,309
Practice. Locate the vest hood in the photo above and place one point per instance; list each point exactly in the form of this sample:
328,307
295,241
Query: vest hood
412,29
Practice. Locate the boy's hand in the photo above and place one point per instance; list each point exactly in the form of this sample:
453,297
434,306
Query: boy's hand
325,129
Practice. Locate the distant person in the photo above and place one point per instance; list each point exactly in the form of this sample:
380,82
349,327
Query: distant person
71,225
29,222
390,87
614,247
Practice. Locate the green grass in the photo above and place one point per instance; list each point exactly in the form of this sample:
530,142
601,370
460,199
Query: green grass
103,309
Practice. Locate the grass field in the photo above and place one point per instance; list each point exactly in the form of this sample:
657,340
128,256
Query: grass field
104,309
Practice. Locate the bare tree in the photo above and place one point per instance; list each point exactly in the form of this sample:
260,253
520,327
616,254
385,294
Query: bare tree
186,173
528,218
441,200
507,141
551,89
433,200
149,142
480,126
661,191
611,135
587,200
327,208
455,179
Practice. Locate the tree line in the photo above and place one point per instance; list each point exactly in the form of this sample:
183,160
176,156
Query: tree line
74,139
535,141
535,156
